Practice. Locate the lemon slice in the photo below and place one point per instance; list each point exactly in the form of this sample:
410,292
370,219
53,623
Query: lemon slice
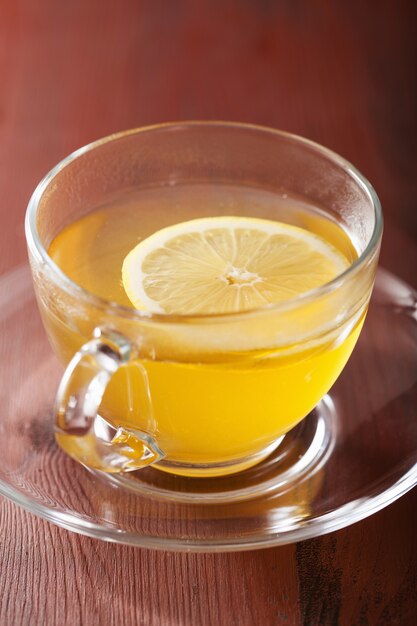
226,264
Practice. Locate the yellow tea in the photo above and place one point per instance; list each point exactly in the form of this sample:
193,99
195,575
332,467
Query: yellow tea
208,404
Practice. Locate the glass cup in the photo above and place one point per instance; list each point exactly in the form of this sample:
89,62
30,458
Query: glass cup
179,391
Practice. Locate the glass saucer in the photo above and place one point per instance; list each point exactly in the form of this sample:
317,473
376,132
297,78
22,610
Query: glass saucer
353,455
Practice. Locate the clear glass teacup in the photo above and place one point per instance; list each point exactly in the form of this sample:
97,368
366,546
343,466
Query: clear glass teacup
198,395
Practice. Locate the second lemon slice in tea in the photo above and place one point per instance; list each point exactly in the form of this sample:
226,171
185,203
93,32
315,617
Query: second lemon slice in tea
227,264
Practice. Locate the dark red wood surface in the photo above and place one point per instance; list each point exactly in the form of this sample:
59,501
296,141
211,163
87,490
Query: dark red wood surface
341,73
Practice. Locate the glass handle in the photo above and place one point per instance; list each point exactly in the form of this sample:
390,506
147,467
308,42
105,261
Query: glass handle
79,429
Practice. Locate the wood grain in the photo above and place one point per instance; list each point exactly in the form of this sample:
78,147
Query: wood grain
343,74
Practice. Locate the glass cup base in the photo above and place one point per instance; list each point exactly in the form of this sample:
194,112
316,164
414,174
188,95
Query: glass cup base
212,470
297,456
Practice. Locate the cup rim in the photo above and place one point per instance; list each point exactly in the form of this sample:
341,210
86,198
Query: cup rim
65,282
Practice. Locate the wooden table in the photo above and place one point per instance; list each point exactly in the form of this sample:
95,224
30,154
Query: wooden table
340,73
